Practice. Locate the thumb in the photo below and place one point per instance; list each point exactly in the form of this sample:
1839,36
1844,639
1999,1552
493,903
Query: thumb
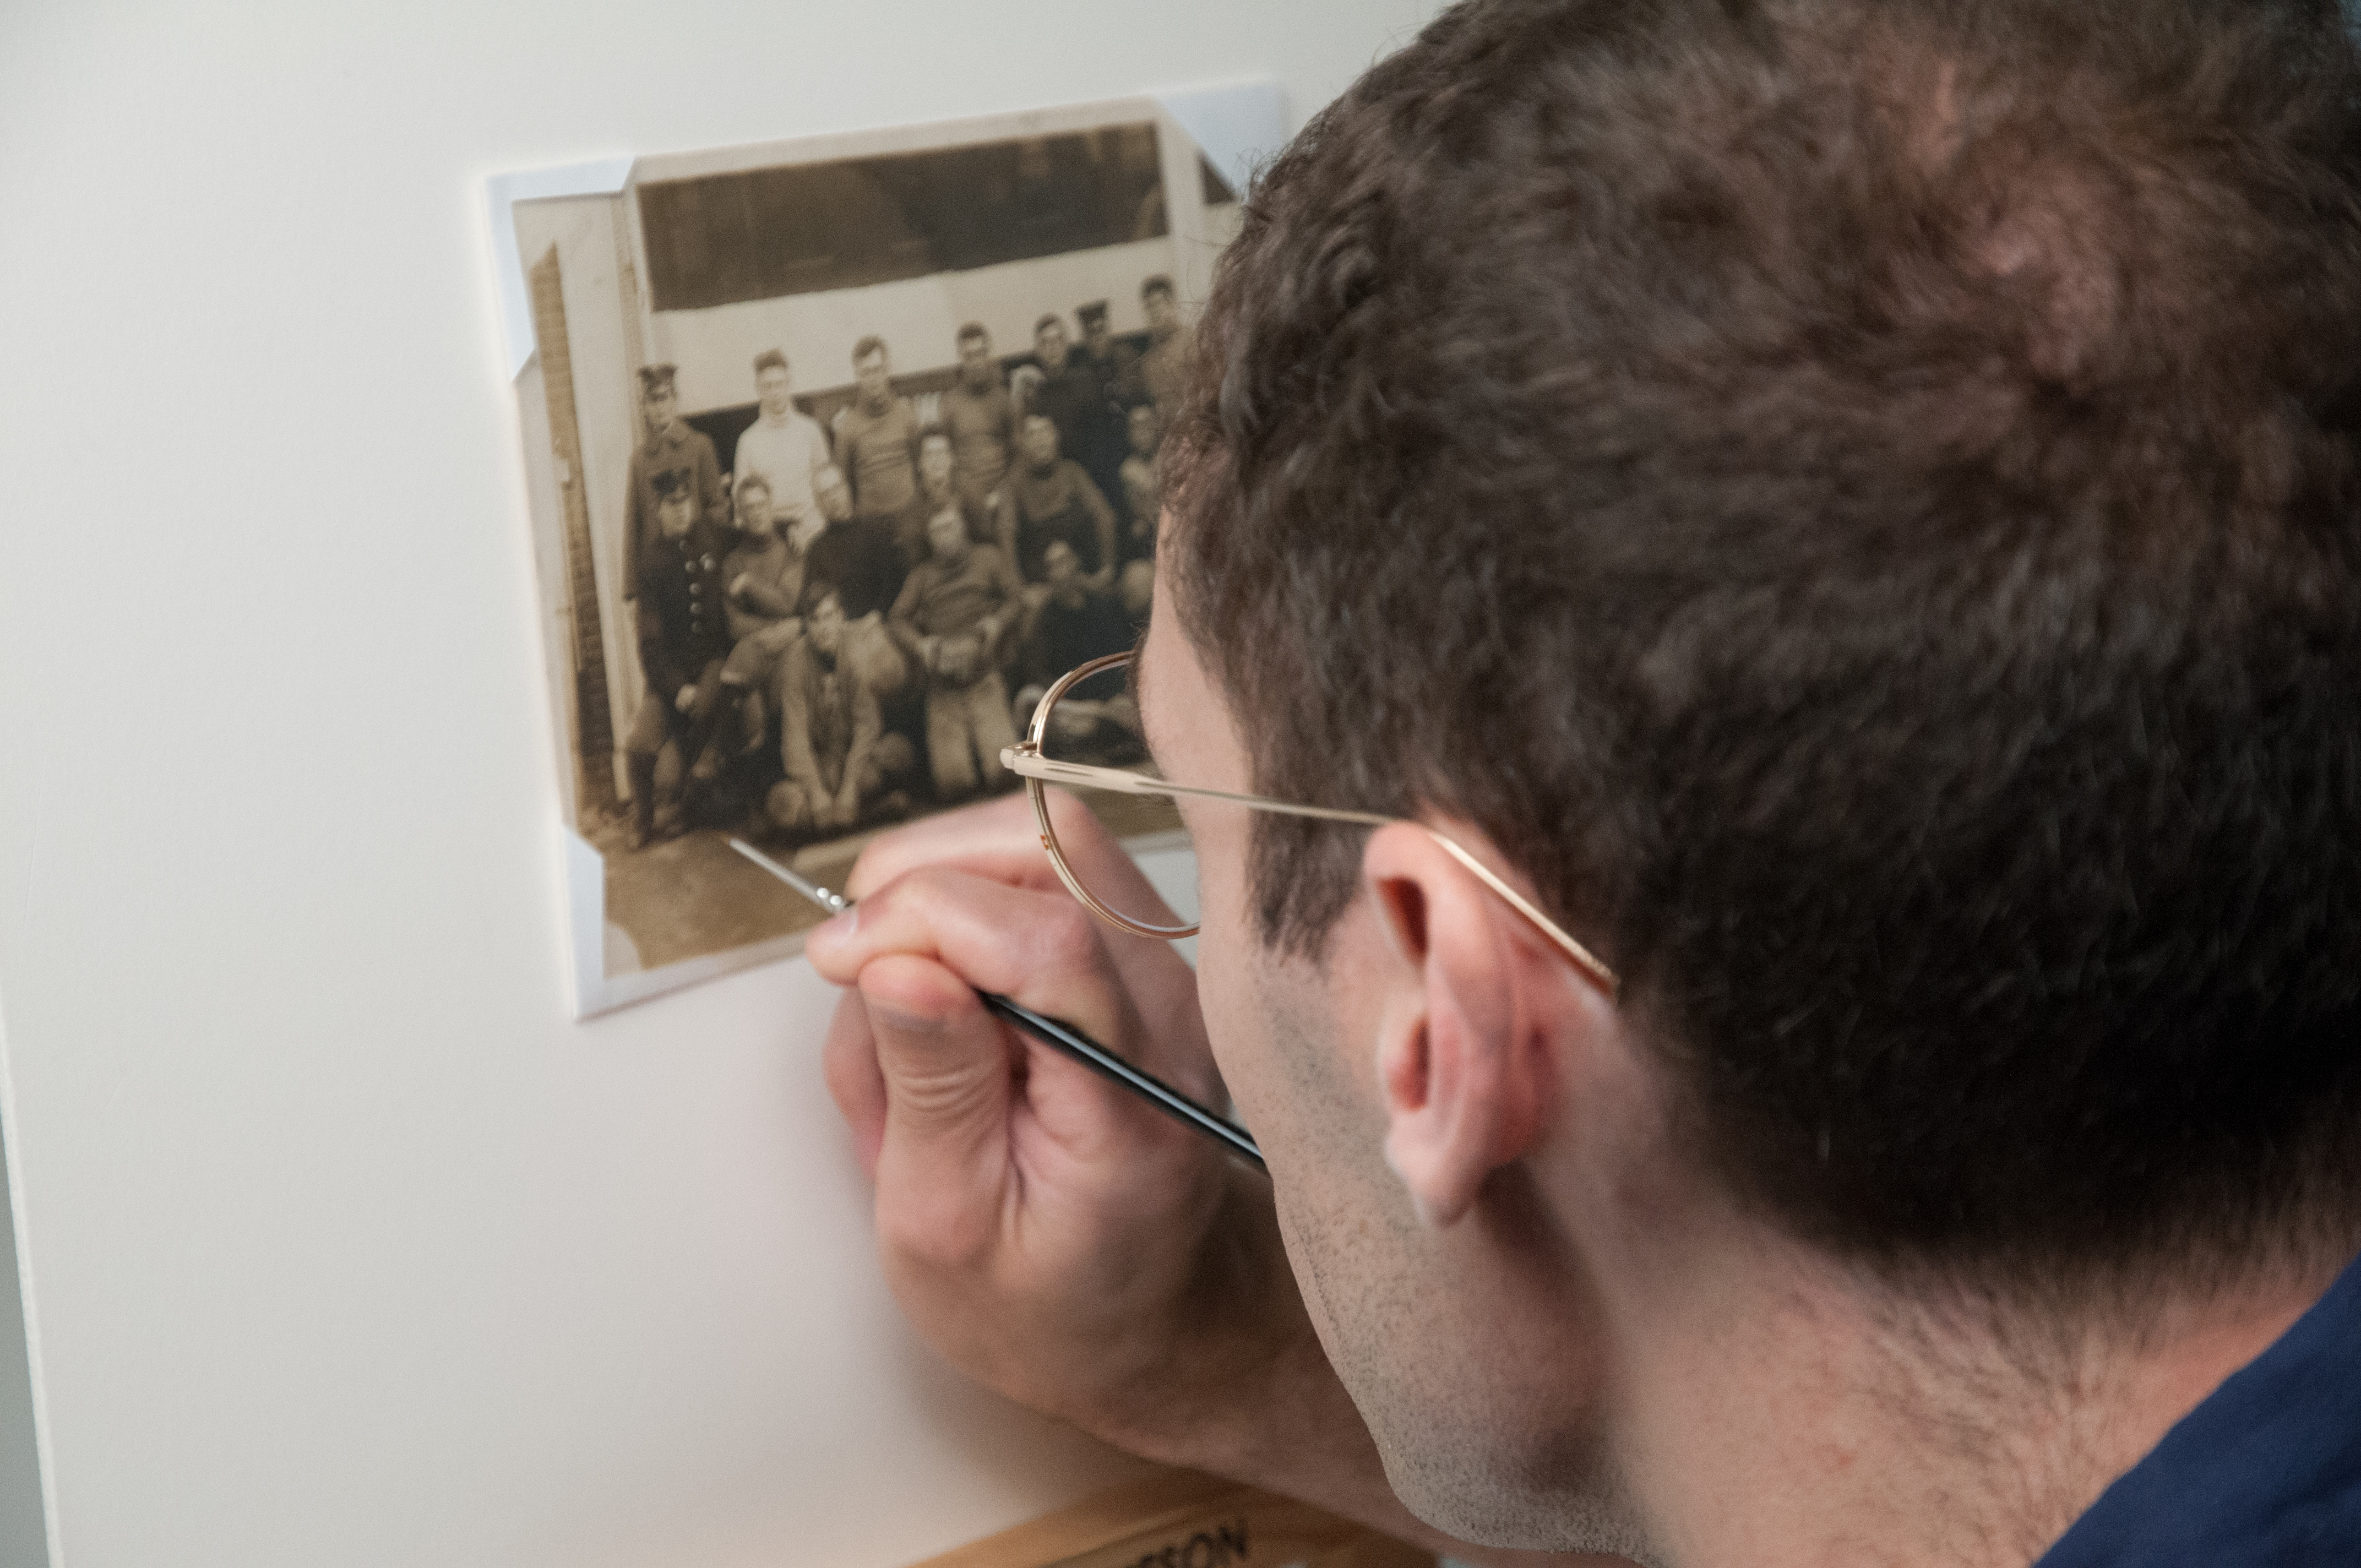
949,1077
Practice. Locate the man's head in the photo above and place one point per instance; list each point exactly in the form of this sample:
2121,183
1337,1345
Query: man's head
773,384
675,504
1097,335
1050,343
834,497
1036,437
1163,309
935,460
824,620
947,536
751,496
1854,505
1140,424
872,374
978,372
659,402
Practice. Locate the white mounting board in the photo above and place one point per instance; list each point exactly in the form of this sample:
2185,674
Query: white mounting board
340,1241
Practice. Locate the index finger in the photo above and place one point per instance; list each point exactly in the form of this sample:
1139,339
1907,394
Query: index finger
1003,840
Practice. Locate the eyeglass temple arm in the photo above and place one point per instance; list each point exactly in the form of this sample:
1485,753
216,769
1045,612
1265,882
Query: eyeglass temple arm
1027,760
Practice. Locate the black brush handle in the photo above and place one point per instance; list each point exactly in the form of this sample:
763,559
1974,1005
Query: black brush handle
1148,1086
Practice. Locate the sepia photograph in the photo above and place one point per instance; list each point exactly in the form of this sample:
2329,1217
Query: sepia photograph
840,453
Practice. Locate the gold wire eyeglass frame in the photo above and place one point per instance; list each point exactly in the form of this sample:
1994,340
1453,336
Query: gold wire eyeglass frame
1025,761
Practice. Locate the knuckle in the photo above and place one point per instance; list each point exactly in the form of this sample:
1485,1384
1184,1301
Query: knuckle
1068,930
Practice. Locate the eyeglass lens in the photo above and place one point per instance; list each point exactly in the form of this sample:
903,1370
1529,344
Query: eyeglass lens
1096,721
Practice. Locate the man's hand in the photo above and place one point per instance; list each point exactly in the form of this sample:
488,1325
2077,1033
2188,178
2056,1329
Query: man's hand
686,699
1046,1232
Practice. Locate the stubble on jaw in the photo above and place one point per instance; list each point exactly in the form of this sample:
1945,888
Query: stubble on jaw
1355,1242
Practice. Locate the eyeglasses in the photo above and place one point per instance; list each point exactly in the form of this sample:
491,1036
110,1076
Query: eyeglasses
1067,725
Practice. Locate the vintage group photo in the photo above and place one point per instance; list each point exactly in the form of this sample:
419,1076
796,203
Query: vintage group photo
846,455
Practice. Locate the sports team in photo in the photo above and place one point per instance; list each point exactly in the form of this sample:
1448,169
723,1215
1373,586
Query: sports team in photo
841,622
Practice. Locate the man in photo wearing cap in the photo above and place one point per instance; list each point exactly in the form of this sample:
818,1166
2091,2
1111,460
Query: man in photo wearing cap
1111,359
667,447
684,636
1073,398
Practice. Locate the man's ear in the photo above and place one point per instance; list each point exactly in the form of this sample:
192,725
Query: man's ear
1463,1054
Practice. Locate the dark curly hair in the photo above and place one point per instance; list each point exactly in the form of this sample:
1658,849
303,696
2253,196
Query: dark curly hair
1858,500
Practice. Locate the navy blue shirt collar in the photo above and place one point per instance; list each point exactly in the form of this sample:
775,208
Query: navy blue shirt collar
2266,1471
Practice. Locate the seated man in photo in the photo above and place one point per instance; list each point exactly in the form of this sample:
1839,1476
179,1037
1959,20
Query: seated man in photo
937,491
1143,489
763,579
684,637
842,769
856,555
1048,497
1073,394
1071,625
949,620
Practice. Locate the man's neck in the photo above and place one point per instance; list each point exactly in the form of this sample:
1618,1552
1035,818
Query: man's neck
1810,1416
775,420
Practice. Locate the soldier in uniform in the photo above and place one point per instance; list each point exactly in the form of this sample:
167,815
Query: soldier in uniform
1073,398
668,447
684,635
1116,363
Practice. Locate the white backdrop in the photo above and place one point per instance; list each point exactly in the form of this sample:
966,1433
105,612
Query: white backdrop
340,1244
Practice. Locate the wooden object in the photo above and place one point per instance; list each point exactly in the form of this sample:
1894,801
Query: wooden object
1181,1519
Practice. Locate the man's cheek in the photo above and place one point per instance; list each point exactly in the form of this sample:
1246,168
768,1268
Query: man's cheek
1227,1022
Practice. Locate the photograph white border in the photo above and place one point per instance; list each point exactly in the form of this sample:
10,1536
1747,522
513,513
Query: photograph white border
1233,125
